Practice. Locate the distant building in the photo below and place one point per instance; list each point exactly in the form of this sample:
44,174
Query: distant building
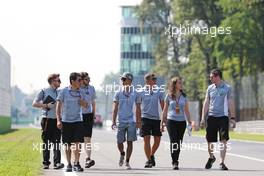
137,44
5,90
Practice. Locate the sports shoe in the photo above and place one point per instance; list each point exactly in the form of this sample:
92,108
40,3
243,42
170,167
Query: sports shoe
77,167
69,168
89,163
175,166
152,158
209,163
45,166
223,166
148,164
121,160
58,166
128,167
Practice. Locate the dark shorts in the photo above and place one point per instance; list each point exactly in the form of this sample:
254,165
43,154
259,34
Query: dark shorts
217,125
150,127
88,121
72,132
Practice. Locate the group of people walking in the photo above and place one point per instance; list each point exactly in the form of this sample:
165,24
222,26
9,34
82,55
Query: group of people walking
67,114
150,110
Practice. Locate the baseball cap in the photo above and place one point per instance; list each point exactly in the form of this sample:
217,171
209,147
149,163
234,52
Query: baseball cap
150,76
127,75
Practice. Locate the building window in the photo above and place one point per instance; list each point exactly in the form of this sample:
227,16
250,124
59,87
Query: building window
128,12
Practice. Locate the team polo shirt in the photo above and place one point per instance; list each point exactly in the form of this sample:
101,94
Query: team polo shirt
172,115
126,105
150,100
71,110
218,99
41,96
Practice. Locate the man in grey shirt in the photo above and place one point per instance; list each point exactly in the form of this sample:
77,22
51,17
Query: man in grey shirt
123,107
46,100
88,115
219,106
69,119
151,97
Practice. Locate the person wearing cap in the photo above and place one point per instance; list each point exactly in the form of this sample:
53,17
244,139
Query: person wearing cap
218,105
88,116
123,104
69,103
50,133
151,97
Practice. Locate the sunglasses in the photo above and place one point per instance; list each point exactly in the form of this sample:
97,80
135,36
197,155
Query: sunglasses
86,79
79,80
58,80
123,79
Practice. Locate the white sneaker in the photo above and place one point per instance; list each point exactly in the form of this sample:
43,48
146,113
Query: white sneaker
121,160
128,167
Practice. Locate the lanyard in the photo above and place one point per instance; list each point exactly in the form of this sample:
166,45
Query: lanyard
178,100
177,108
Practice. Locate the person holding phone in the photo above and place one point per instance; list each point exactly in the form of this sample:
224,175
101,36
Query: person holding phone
174,116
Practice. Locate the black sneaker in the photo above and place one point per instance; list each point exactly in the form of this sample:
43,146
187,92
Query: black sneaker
209,163
77,167
45,166
152,158
58,166
148,164
175,165
223,166
89,163
69,168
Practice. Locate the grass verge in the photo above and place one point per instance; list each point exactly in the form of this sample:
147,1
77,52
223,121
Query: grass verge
237,135
17,156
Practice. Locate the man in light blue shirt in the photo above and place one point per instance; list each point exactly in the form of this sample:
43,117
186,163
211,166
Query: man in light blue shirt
88,116
124,102
151,97
218,105
46,100
69,119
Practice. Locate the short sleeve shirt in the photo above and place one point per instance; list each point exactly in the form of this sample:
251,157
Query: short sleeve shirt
126,105
71,109
90,96
172,115
41,96
150,100
218,99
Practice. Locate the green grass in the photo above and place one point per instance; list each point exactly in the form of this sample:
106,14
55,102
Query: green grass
237,135
17,156
5,124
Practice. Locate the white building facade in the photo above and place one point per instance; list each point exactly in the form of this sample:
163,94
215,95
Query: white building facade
5,90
